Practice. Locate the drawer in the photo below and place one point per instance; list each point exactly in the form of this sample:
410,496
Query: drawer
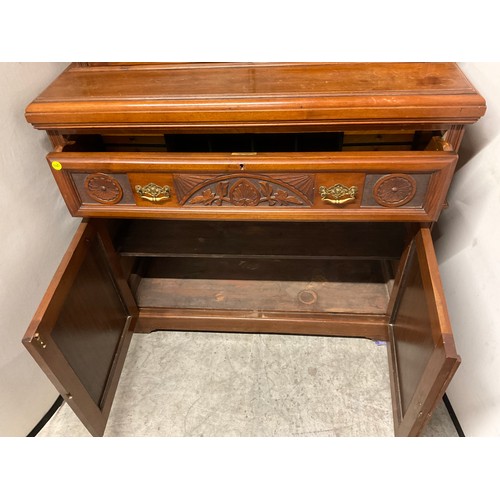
385,186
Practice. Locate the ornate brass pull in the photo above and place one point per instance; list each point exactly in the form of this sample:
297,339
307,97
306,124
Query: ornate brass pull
153,192
338,194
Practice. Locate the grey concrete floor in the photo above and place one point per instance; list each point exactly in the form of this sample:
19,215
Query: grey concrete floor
214,384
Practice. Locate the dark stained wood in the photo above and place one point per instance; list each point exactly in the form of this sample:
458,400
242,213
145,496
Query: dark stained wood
90,324
269,268
81,331
399,271
266,94
107,231
154,238
424,352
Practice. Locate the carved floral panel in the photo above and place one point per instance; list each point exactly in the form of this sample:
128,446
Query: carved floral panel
245,190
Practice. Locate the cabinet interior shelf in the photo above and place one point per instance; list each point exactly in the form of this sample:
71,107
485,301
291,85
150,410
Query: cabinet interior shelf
297,240
331,268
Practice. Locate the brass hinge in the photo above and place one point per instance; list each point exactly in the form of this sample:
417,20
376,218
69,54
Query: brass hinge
37,337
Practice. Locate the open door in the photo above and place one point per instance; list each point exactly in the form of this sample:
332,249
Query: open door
82,329
422,353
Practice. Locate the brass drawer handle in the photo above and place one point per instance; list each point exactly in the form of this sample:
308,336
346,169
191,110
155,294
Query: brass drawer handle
338,194
153,192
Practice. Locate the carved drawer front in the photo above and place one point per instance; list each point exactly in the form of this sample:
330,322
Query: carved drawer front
245,190
306,186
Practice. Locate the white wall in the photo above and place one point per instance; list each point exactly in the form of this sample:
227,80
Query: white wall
35,229
468,250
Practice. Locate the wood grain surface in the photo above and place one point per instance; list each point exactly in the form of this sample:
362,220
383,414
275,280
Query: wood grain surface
272,94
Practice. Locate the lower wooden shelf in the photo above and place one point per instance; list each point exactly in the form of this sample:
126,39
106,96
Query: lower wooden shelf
263,285
317,296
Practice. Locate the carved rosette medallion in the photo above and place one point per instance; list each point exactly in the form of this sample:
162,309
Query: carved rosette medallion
103,188
250,190
394,190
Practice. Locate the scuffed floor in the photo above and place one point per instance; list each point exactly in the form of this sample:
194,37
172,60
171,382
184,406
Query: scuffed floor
214,384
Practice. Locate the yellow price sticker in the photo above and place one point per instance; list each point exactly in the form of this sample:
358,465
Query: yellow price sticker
56,165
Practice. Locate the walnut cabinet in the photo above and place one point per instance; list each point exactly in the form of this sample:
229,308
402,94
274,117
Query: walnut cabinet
282,198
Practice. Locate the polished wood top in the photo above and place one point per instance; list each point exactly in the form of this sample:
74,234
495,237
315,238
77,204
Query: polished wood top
185,95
